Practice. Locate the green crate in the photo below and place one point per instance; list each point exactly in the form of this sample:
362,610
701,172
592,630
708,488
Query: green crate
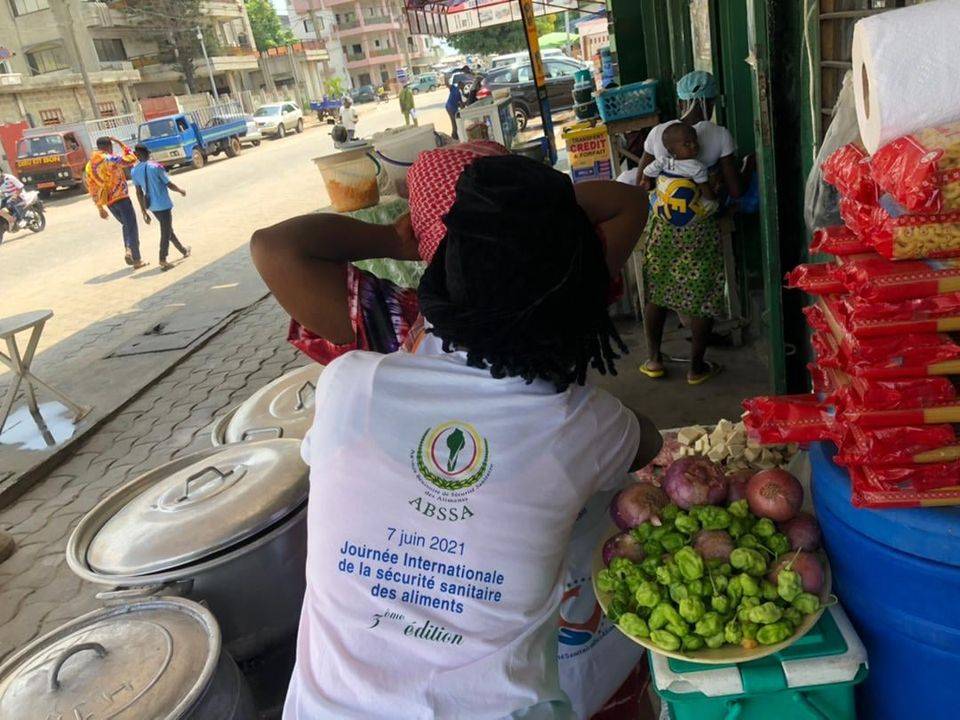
813,679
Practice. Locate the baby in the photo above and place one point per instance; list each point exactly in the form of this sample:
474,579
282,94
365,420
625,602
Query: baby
681,143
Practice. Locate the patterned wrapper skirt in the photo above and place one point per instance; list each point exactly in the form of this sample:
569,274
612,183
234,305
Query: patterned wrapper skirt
683,267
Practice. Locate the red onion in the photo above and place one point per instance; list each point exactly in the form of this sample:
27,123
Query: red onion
695,481
737,484
637,504
623,545
713,544
802,531
807,566
774,494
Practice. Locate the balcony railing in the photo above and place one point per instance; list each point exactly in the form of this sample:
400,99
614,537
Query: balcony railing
116,65
233,51
377,20
353,57
348,24
11,79
381,52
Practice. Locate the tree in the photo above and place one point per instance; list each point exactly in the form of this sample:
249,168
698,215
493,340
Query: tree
500,39
172,24
334,87
267,30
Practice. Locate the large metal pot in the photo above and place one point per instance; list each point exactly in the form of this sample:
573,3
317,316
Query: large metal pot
283,408
226,526
159,659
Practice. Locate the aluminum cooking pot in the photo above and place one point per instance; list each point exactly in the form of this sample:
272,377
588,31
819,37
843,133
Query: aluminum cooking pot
284,408
159,659
226,526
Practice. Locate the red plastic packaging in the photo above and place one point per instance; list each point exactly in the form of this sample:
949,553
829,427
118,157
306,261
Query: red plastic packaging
875,278
815,279
898,446
898,236
846,392
888,362
782,419
865,318
873,490
848,170
838,240
921,170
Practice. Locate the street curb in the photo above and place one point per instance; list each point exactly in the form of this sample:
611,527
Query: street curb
13,487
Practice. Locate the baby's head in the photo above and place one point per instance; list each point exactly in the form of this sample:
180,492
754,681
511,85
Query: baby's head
680,140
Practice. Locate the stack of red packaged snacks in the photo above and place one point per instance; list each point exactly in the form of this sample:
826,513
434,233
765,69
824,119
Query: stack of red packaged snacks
885,326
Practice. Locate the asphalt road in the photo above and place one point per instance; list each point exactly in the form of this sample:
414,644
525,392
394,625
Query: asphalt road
75,267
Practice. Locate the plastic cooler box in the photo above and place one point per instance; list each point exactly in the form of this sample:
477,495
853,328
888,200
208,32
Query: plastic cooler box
813,679
897,573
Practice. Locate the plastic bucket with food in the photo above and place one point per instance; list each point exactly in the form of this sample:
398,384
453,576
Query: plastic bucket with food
397,150
351,179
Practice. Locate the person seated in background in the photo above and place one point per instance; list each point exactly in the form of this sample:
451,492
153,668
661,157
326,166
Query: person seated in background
462,435
680,141
348,118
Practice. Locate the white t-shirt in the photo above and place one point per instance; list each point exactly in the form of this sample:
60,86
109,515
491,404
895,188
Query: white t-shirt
692,169
441,505
715,142
348,117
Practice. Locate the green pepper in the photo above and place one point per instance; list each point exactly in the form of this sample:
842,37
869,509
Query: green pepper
689,563
652,548
621,567
764,528
774,633
716,640
739,509
633,624
649,567
692,609
778,544
749,585
665,640
789,585
749,630
721,582
710,624
668,573
714,518
673,541
678,592
748,540
765,614
746,605
721,603
680,629
732,632
738,527
768,591
669,513
664,614
642,532
692,642
793,615
750,561
686,523
735,590
806,603
647,594
606,581
616,608
699,587
726,569
660,531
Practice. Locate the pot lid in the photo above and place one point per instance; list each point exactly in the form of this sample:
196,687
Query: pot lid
149,659
194,511
284,408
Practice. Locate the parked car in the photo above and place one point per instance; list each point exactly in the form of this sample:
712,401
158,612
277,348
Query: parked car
519,57
178,139
364,94
277,119
518,79
253,136
424,83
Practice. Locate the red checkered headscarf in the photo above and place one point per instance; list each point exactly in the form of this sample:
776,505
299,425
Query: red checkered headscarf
432,182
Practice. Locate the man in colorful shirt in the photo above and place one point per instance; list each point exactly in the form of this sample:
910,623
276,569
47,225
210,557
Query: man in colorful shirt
107,185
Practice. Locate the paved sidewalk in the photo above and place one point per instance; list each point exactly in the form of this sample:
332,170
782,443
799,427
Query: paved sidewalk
37,589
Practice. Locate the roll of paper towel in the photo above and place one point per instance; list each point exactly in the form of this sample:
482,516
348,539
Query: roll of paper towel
906,70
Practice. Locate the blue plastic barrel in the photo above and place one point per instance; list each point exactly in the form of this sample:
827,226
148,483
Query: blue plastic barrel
897,573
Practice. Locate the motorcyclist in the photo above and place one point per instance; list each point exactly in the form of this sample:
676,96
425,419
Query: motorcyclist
11,195
348,118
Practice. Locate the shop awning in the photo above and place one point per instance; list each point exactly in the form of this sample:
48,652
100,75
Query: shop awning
450,17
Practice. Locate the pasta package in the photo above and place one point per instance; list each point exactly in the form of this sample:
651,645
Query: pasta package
838,240
845,391
848,170
905,487
865,318
877,279
815,279
783,419
921,171
899,446
897,235
942,358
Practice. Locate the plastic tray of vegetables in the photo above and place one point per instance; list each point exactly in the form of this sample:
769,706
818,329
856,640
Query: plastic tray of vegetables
713,568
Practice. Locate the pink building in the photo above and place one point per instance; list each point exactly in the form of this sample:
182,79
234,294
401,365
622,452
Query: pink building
372,34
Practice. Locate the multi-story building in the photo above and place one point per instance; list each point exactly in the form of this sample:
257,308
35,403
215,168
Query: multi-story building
372,35
47,42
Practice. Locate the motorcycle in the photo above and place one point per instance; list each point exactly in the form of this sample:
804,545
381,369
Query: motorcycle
382,94
33,216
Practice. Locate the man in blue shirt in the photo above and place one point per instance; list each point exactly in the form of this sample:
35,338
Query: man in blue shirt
454,101
153,186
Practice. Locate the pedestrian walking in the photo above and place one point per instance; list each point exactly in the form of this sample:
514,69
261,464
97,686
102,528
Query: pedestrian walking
153,193
454,103
406,105
107,185
348,118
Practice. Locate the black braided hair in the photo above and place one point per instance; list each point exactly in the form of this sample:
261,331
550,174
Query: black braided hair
520,280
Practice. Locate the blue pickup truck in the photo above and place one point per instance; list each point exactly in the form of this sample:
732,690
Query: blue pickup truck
189,140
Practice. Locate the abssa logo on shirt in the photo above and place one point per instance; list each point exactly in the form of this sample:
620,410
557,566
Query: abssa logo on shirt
452,457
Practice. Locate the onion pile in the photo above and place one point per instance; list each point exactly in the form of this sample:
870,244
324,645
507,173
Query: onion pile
637,504
695,481
774,494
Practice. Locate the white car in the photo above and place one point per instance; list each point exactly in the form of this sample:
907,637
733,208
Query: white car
277,119
253,136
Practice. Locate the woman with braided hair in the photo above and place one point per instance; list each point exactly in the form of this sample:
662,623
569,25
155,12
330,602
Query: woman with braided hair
446,478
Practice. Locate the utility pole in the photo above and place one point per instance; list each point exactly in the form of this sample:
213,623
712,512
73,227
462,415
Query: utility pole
403,35
70,32
213,82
